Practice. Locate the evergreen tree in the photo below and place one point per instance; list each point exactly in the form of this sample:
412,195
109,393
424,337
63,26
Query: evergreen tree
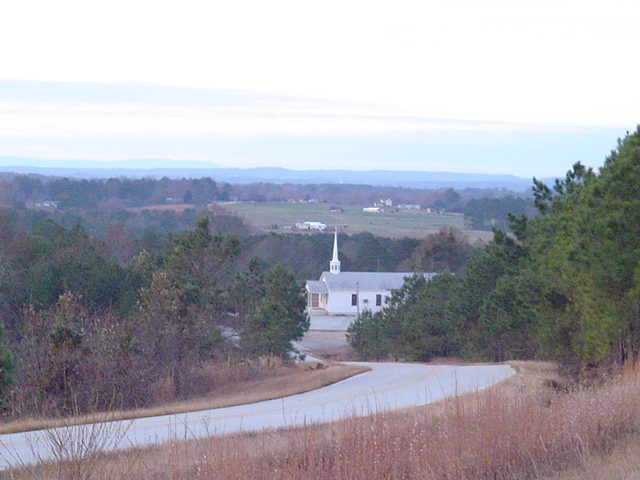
278,319
428,330
367,336
199,264
414,325
588,246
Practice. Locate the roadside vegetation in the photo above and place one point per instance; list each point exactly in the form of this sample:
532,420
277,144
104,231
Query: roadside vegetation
565,286
532,426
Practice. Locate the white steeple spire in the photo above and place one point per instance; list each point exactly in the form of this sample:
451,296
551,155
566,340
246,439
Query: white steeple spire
334,265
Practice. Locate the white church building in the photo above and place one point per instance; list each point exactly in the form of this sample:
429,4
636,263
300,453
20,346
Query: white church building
349,293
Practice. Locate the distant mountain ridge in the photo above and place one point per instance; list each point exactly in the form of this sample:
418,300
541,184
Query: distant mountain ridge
158,168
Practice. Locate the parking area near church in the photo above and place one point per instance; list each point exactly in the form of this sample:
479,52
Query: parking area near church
338,323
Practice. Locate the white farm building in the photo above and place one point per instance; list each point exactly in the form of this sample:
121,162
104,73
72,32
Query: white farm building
311,226
349,293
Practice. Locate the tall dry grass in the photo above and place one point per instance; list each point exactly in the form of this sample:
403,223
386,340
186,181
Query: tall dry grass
500,433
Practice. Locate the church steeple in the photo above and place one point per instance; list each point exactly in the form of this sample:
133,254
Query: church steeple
334,265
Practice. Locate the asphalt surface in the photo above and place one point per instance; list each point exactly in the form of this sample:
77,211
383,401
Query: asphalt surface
387,386
338,323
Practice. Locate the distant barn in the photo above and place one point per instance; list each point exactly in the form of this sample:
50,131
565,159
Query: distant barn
311,226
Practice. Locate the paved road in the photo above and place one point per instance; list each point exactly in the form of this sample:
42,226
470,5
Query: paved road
387,386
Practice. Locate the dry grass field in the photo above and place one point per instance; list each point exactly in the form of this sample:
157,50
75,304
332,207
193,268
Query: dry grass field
178,208
282,217
528,427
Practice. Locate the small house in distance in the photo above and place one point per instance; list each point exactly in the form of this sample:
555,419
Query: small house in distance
349,293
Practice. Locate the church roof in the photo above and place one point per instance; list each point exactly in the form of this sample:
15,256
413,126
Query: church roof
314,286
365,280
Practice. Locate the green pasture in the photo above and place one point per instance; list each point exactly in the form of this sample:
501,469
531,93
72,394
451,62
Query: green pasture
282,217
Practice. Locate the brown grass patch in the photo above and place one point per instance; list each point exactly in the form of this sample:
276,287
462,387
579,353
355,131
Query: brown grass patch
621,463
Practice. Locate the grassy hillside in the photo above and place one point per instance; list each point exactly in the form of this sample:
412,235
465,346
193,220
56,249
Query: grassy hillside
282,217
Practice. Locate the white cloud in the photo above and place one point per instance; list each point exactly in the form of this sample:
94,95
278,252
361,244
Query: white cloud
561,61
243,117
287,70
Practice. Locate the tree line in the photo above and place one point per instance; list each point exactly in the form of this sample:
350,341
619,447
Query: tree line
564,286
483,208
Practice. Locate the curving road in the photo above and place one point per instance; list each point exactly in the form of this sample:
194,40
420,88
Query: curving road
386,386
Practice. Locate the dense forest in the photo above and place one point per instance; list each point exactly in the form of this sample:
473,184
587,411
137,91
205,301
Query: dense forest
82,332
564,286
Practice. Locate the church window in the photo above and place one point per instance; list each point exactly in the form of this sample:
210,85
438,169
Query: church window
354,299
378,300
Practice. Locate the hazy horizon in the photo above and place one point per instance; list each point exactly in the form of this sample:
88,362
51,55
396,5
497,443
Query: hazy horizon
502,86
24,164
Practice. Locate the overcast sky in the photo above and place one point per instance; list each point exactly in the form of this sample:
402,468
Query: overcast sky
494,86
